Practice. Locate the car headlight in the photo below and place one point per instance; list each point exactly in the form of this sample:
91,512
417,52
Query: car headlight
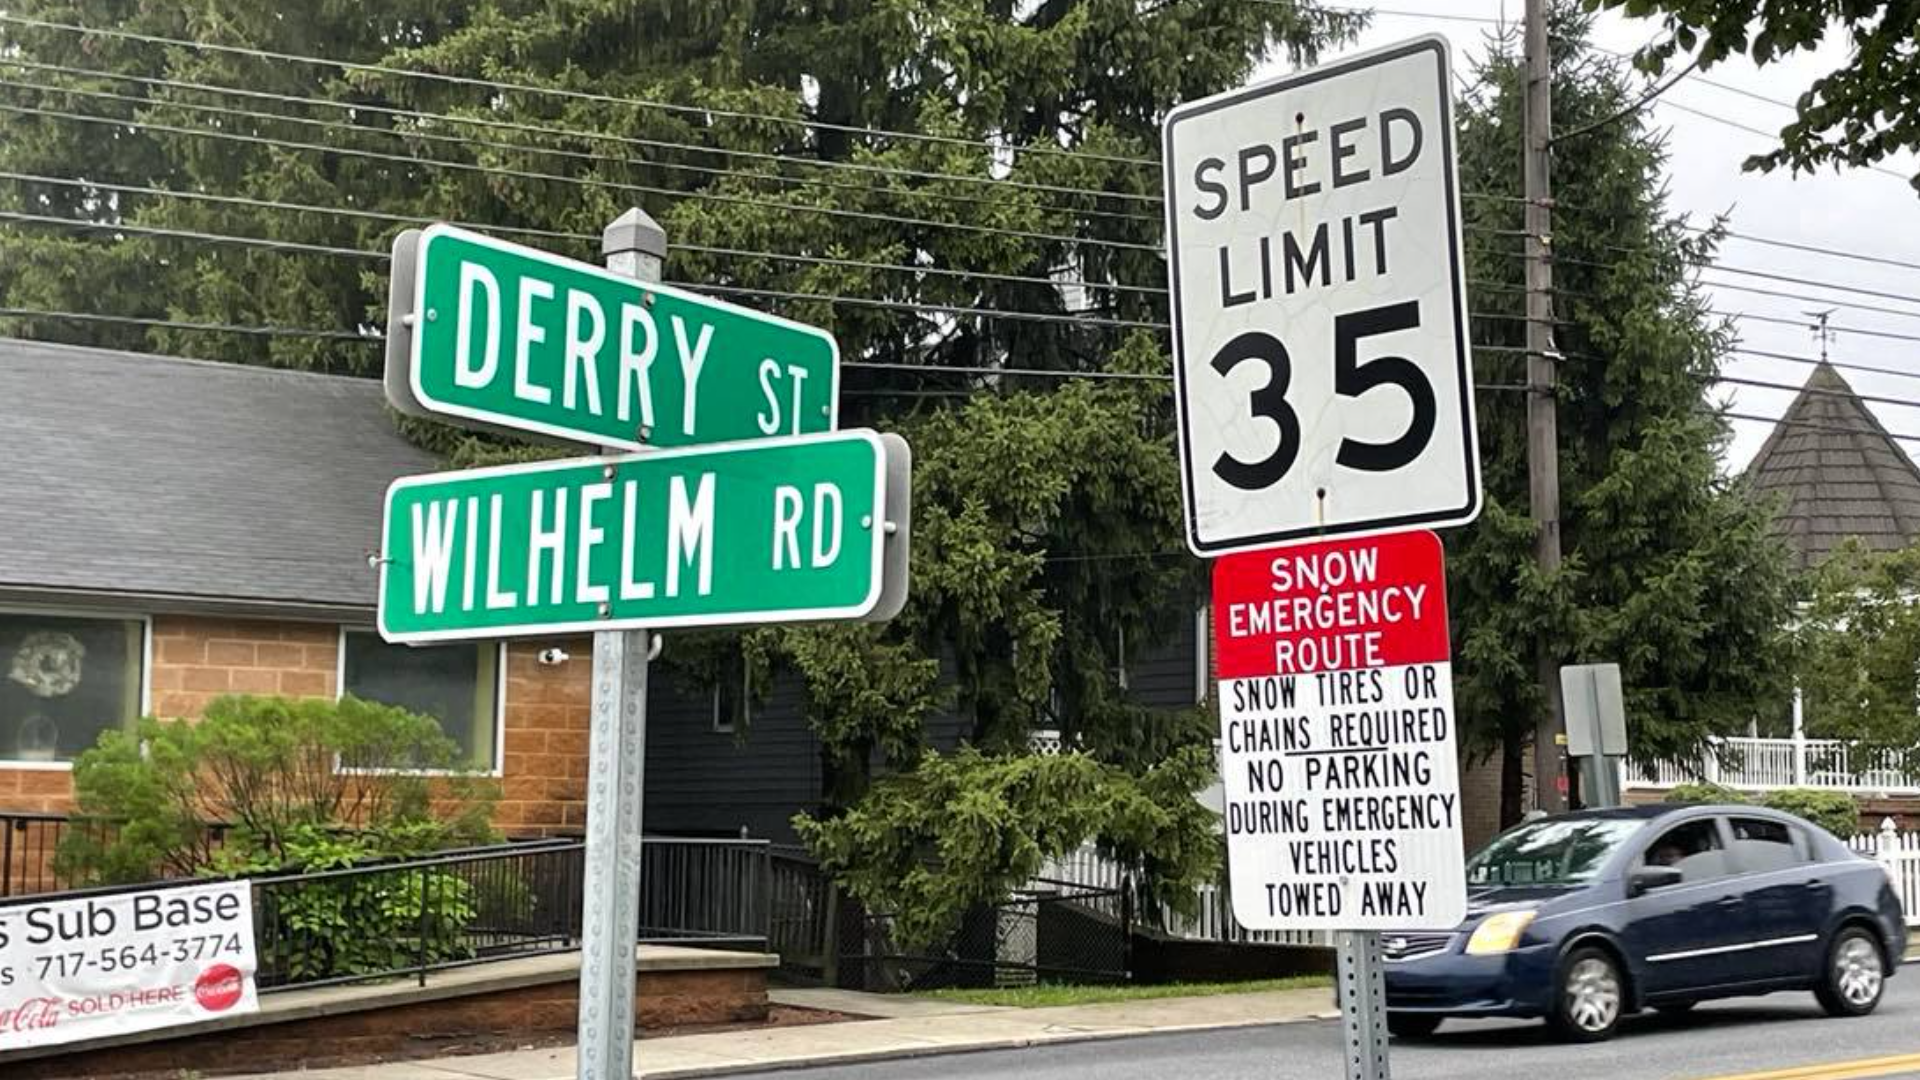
1499,933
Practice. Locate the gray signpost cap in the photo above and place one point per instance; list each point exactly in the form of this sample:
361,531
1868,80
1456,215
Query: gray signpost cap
634,230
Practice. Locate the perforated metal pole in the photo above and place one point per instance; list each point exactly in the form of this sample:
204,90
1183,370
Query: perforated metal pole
1363,1006
634,244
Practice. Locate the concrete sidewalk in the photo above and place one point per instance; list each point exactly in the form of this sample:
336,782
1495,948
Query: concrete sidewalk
909,1027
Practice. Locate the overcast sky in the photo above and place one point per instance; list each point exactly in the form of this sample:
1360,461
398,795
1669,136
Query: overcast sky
1863,212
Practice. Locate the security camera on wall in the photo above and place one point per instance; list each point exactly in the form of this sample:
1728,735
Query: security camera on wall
553,657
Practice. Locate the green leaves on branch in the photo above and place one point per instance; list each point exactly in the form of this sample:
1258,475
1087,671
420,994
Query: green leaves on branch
967,828
1857,653
272,774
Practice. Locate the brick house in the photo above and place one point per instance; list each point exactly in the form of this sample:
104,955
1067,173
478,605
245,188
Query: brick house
172,530
176,530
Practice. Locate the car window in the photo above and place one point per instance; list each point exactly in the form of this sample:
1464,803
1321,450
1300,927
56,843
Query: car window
1557,851
1760,845
1694,849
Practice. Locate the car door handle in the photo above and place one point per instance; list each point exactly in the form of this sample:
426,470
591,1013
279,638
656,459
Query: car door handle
1727,902
1816,884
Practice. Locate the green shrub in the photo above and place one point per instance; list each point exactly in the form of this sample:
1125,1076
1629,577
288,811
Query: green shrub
361,924
1834,811
1704,792
270,769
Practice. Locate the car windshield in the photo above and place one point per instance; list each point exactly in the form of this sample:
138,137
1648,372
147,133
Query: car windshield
1563,852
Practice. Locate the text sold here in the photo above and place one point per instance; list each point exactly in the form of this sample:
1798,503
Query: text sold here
784,530
515,337
1339,777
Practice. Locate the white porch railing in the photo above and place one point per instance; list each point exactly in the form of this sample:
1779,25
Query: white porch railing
1763,764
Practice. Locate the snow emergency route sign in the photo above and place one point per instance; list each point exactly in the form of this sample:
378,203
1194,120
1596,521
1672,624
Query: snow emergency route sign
1319,307
1337,736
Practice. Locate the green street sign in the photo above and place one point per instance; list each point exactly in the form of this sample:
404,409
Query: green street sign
501,336
802,529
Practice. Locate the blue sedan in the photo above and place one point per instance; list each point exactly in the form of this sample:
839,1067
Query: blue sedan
1583,918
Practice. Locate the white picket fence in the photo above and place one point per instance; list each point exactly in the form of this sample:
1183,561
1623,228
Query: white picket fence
1899,854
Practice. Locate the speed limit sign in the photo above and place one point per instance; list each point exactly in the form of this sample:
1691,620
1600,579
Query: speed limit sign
1319,304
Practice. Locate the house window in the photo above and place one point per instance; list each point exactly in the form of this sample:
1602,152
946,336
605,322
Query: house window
732,699
64,680
458,685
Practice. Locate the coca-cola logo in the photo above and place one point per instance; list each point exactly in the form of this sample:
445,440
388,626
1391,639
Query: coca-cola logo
218,987
33,1014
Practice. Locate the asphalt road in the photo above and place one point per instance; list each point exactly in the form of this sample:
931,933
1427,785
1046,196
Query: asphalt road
1716,1040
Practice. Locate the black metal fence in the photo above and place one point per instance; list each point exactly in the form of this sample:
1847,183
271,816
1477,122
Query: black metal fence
803,917
30,845
1067,933
407,917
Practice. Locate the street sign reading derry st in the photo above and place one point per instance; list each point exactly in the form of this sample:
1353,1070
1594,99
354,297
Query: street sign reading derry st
1337,736
1319,310
508,336
780,530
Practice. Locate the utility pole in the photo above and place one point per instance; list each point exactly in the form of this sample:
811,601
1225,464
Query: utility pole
634,245
1543,425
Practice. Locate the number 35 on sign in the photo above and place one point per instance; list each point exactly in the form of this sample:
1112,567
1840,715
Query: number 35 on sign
1323,375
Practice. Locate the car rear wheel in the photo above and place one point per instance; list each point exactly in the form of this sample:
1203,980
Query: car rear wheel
1855,974
1412,1025
1589,998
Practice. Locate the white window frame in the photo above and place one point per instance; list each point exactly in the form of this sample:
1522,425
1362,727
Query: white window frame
107,615
497,770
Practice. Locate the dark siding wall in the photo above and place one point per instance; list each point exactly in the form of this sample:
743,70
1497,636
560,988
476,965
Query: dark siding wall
1163,675
705,783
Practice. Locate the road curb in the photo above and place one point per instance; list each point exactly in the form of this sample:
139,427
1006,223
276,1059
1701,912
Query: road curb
1021,1042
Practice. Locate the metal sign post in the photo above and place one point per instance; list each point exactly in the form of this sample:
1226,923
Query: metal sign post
1363,1005
634,245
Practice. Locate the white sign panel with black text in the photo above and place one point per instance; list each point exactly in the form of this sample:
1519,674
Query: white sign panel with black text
1341,785
1319,306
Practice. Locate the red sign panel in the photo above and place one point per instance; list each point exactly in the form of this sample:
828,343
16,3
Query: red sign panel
1379,601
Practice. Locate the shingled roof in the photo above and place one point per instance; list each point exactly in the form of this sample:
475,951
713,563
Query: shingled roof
1838,474
162,484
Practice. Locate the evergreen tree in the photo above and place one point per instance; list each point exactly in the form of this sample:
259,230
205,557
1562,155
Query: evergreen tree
1047,509
1669,568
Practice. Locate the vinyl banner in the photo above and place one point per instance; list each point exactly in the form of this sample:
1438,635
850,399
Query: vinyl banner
133,961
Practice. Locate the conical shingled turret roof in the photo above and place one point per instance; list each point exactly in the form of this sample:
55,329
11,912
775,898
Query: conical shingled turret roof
1838,474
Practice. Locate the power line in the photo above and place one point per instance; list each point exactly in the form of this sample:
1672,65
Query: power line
1781,421
1749,316
495,87
1851,304
287,144
552,152
354,107
177,324
1013,314
582,238
1769,135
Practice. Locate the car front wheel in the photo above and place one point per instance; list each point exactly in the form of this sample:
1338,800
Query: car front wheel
1855,974
1589,998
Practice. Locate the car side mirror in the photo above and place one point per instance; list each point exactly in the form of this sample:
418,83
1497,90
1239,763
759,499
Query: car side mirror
1648,878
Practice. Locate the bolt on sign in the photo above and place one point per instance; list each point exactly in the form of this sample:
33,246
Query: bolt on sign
1337,736
800,529
509,337
1319,306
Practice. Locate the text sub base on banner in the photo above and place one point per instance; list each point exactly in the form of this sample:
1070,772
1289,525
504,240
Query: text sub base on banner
123,963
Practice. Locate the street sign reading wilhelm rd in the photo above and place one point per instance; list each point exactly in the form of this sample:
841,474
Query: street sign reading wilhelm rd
781,530
508,336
